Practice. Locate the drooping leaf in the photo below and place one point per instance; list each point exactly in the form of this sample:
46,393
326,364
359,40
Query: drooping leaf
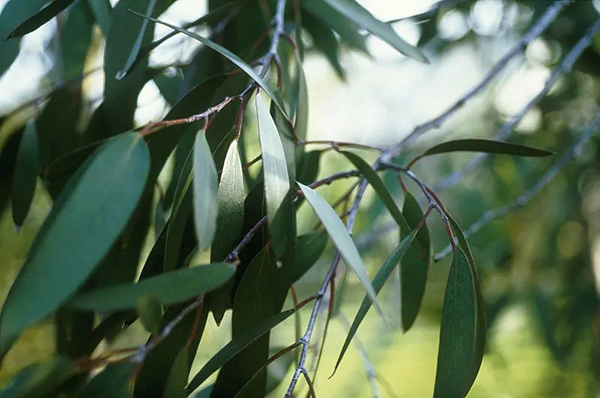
380,278
414,265
309,248
75,41
301,121
86,220
168,288
345,27
114,381
177,379
13,13
342,240
137,44
232,348
26,171
487,146
276,178
308,167
364,18
379,187
150,311
206,207
231,198
480,321
44,15
458,331
230,56
255,300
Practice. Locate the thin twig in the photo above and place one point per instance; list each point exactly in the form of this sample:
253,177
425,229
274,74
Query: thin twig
564,67
525,197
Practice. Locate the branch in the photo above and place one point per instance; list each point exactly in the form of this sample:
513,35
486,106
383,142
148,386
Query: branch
540,26
525,197
508,127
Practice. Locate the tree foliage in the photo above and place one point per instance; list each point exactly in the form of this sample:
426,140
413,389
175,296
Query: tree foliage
224,238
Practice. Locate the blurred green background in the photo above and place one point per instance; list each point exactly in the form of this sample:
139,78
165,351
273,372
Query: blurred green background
539,265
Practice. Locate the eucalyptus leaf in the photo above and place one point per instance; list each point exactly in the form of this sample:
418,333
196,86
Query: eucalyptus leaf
364,18
86,220
168,288
27,168
380,278
342,240
486,146
49,11
206,207
276,178
177,379
230,56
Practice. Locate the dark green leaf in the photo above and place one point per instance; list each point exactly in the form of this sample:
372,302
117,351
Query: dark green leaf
150,311
206,207
342,240
75,41
361,16
13,13
114,381
255,300
414,265
309,248
276,179
232,348
168,288
177,380
49,11
380,278
86,220
137,45
458,331
230,56
487,146
26,171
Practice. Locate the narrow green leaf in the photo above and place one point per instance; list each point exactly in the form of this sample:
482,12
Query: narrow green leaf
206,207
458,331
379,187
137,45
230,198
342,240
230,56
480,333
276,178
364,18
414,265
26,171
309,248
348,30
487,146
168,288
301,122
150,311
178,376
44,15
13,13
232,348
114,381
380,278
86,220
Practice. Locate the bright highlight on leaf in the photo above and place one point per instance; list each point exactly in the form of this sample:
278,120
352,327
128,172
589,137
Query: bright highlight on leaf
276,178
84,223
206,207
380,278
342,240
